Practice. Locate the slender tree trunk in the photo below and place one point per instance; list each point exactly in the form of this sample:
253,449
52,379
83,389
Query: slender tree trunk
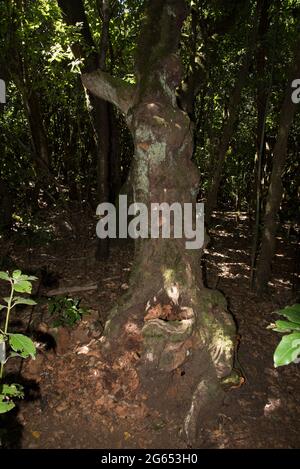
38,133
275,190
74,12
6,206
115,155
227,132
101,123
262,103
188,328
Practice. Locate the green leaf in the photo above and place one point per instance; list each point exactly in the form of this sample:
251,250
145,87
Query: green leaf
5,406
23,286
18,300
2,306
287,350
16,274
291,312
4,276
14,390
285,326
23,344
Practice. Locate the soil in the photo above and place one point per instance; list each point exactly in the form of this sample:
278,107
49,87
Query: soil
76,399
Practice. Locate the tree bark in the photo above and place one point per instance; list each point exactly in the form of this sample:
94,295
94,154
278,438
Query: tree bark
268,243
187,329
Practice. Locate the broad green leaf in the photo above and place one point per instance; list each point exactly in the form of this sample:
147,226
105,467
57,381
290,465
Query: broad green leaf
23,344
4,276
285,326
14,390
16,274
18,300
287,350
291,312
2,306
5,406
23,286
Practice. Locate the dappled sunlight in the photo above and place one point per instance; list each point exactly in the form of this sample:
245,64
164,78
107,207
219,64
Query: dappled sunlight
226,270
218,254
228,253
238,251
222,233
279,282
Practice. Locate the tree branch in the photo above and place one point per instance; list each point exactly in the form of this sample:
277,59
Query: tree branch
111,89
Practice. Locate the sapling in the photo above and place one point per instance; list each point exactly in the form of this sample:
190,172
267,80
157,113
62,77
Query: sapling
11,344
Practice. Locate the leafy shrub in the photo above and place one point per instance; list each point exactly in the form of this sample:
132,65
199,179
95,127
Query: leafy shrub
66,311
288,349
19,345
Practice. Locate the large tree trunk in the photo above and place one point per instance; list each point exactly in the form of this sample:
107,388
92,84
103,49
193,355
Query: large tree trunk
187,331
268,243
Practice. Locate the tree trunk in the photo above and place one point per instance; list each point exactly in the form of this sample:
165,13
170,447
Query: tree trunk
263,92
227,132
74,13
275,190
38,133
6,206
115,155
187,330
101,122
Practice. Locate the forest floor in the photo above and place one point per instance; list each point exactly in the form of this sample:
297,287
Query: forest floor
75,400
